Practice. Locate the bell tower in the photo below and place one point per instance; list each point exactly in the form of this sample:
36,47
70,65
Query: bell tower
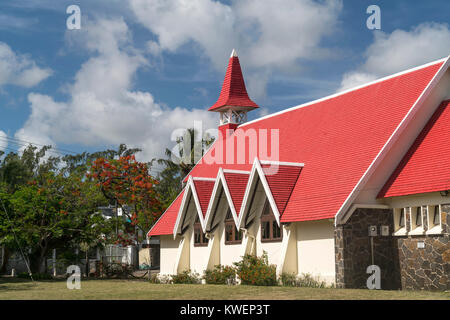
233,103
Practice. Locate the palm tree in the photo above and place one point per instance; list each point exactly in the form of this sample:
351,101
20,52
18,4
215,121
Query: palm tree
177,166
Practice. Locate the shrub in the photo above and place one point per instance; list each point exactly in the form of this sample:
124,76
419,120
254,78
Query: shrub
117,270
220,275
256,271
154,278
307,280
289,279
36,276
186,277
164,279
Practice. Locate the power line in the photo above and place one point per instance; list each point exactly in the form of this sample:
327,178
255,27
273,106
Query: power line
11,146
36,144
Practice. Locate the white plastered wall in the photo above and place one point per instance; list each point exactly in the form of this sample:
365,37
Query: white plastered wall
315,249
199,256
169,248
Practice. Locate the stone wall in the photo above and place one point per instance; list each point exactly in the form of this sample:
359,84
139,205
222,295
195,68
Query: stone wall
353,250
429,267
403,264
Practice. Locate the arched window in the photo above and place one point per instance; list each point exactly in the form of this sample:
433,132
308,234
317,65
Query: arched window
199,237
270,231
232,235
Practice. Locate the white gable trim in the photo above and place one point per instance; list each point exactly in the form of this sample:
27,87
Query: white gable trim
212,200
203,179
190,187
393,138
236,171
257,169
220,180
282,163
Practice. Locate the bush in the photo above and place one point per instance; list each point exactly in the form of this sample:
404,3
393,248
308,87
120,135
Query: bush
289,279
220,275
154,278
117,270
36,276
256,271
186,277
305,280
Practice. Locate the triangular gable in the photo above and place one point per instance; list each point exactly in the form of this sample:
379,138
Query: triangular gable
236,183
425,167
203,189
272,171
231,184
195,197
281,180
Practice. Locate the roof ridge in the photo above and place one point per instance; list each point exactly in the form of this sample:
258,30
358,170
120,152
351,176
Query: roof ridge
337,94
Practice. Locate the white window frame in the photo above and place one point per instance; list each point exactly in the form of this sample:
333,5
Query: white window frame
399,231
434,228
414,229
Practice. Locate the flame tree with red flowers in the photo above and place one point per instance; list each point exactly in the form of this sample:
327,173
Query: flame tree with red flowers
128,183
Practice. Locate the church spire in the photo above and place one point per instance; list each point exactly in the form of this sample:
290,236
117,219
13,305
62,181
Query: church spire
234,102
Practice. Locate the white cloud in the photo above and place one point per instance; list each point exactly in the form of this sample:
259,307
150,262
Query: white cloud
103,109
3,140
19,69
400,50
267,35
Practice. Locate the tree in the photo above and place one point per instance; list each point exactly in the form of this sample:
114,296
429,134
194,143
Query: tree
128,182
50,203
177,166
15,171
56,212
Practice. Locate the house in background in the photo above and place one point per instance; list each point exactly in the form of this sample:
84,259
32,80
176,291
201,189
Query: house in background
355,179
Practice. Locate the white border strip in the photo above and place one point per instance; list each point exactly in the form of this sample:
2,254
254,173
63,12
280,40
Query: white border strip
392,139
282,163
203,179
344,92
235,171
190,186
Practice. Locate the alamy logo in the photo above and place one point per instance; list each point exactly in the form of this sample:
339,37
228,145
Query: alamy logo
73,22
374,20
74,279
374,281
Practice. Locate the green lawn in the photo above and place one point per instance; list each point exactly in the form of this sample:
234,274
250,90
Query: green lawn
134,289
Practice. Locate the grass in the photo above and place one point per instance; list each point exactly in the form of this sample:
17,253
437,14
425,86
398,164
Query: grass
135,289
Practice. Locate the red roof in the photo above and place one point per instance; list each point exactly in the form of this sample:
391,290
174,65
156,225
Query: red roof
236,183
203,189
166,222
233,91
337,138
425,167
282,183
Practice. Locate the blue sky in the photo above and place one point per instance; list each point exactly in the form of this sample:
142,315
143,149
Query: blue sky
139,70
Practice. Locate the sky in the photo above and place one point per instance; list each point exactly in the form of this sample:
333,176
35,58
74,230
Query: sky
139,71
